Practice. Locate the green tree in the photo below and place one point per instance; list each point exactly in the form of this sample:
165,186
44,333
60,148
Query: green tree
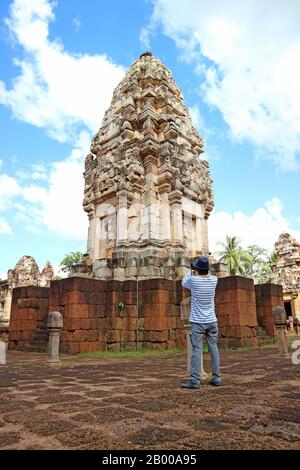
255,262
273,258
70,260
234,256
259,265
257,256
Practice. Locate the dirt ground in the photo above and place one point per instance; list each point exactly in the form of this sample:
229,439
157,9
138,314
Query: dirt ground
137,403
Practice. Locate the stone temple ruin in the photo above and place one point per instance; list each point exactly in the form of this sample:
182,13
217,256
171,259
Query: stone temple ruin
147,193
25,273
148,197
287,272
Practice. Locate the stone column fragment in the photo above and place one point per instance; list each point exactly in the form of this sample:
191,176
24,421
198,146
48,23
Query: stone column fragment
54,325
279,317
2,353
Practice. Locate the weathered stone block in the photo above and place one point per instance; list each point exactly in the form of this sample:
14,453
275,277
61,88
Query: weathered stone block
80,335
72,324
160,296
92,335
85,323
77,311
89,346
157,284
113,336
66,336
130,298
101,310
69,347
156,323
156,336
154,310
129,286
128,336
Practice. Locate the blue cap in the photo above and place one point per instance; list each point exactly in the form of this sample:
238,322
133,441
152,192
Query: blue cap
201,263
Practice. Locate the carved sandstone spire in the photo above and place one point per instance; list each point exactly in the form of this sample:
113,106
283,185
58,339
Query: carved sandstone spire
287,266
147,150
148,115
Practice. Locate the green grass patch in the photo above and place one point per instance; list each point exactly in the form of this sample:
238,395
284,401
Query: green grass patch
131,353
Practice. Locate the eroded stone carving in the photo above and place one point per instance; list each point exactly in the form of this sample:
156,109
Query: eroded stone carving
25,273
286,271
146,152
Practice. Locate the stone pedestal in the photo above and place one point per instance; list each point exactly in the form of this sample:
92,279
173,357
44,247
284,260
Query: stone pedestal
297,326
54,324
279,317
2,352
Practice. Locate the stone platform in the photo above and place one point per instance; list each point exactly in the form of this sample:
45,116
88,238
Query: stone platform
136,403
115,315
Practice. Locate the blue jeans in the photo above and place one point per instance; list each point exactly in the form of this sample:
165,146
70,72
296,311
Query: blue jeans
210,331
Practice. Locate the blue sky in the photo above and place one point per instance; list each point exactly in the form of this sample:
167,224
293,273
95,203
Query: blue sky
238,67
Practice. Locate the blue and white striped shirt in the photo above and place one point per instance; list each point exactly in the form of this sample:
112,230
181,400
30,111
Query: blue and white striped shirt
203,290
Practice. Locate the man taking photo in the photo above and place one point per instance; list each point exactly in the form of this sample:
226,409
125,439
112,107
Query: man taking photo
203,320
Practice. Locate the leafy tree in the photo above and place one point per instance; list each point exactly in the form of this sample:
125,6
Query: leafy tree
261,262
234,256
70,260
254,262
273,258
257,257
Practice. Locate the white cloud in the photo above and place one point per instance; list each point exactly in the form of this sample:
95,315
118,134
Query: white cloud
211,151
197,118
77,24
22,203
55,90
4,227
38,171
63,212
35,194
56,207
66,94
262,227
9,188
35,171
252,74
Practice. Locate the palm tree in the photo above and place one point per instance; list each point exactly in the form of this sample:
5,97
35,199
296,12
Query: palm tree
234,256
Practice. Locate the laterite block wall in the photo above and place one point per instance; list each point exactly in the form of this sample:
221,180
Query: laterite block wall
30,307
100,315
236,311
267,296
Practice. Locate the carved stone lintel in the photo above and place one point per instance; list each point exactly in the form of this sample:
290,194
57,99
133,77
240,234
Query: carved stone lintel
175,197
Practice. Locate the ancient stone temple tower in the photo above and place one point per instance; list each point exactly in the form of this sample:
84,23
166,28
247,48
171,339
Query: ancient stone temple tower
287,272
25,273
147,192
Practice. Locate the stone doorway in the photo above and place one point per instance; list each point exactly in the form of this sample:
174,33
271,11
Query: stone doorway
288,309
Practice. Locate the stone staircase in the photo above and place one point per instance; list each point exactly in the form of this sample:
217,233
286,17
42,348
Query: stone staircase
38,341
